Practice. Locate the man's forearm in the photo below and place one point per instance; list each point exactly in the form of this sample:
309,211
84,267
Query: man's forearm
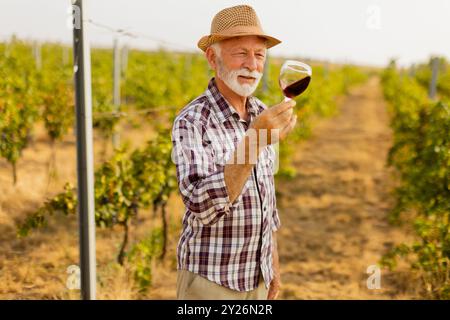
241,163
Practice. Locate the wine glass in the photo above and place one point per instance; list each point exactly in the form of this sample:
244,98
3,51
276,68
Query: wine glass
294,78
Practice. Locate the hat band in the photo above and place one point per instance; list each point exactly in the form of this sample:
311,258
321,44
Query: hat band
236,31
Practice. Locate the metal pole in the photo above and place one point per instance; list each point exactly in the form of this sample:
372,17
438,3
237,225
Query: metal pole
434,74
83,100
116,85
37,54
124,62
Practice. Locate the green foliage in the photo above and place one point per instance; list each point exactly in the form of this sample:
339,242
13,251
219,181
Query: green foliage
156,79
18,104
116,201
57,100
422,74
421,155
54,91
143,254
64,203
102,93
152,168
123,185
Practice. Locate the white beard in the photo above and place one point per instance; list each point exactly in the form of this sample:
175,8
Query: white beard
231,79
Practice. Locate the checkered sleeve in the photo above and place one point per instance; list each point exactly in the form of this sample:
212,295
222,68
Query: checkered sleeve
200,179
276,223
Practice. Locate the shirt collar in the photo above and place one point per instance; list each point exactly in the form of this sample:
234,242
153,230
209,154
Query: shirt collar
223,109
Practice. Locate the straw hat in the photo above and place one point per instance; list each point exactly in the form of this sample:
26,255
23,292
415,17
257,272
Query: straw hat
234,22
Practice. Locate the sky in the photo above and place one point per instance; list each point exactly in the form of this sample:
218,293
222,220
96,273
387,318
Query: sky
347,31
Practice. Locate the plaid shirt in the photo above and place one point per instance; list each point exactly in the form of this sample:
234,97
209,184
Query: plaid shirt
227,243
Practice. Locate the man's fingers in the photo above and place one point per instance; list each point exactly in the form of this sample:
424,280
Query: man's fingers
283,106
290,125
285,115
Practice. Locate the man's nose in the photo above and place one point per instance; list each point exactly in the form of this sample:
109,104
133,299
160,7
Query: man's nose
251,63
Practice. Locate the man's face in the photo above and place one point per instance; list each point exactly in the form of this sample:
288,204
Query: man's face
241,63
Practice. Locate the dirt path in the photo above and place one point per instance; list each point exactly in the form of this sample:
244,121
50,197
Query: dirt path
334,212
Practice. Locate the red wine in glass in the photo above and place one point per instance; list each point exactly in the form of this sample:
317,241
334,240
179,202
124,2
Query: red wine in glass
296,88
294,78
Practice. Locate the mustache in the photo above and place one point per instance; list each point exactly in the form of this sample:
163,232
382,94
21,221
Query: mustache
246,73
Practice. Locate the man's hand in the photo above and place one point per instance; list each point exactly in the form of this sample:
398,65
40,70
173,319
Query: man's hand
280,117
274,288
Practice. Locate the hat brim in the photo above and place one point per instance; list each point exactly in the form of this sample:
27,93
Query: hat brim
208,40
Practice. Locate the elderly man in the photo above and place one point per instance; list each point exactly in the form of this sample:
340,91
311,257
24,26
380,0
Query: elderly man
227,248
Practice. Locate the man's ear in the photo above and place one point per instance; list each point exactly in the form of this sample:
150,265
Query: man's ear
211,57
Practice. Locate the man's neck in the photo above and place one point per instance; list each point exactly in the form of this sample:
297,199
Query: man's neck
237,101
